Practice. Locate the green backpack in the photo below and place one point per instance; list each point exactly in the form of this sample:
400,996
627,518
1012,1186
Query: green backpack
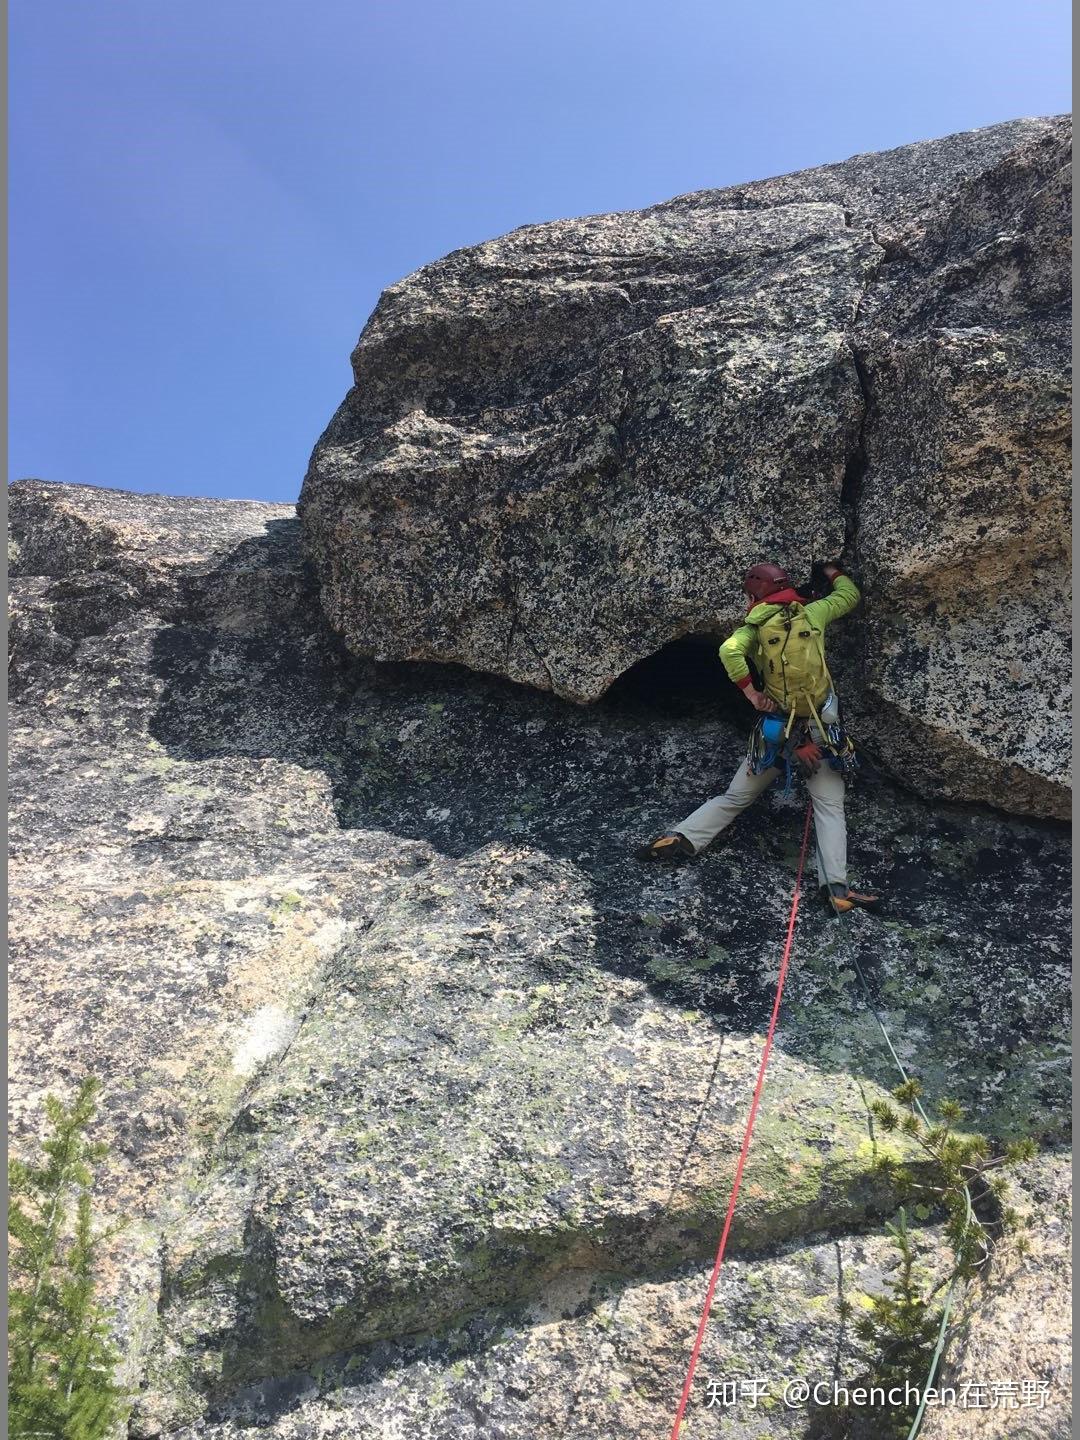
791,658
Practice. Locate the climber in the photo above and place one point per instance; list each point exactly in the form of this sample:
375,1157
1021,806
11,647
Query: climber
799,723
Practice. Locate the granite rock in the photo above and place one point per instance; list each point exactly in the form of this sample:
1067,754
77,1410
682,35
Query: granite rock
422,1096
562,447
1017,1330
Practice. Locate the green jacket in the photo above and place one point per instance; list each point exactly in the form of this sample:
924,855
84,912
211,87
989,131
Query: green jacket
742,646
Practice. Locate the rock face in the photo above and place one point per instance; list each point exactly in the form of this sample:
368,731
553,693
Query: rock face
963,513
564,446
1018,1325
423,1098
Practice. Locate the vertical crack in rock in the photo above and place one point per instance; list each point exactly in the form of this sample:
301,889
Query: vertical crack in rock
858,458
857,461
534,647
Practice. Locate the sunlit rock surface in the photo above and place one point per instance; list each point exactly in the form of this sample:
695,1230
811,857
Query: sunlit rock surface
423,1097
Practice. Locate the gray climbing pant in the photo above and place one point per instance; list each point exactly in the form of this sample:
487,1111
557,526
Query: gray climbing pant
826,789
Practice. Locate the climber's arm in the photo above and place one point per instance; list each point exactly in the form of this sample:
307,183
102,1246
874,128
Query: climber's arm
844,598
733,653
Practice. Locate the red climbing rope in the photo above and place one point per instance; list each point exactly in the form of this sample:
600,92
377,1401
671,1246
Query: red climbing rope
746,1137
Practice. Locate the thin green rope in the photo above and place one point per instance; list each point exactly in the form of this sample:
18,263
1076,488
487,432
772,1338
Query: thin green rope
916,1424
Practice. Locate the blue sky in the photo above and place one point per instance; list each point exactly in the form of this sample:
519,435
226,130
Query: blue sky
207,198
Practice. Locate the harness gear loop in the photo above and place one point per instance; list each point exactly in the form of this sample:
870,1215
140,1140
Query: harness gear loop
775,737
687,1384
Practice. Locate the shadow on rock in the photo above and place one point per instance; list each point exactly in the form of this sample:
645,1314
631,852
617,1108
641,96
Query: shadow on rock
973,906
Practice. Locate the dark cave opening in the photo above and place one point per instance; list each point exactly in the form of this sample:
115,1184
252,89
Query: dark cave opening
685,679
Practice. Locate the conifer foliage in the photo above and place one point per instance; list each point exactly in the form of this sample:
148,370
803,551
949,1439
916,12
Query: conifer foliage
60,1361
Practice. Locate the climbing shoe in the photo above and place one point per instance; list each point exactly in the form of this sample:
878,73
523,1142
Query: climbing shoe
668,848
840,898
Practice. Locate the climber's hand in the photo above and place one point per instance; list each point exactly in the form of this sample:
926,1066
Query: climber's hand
830,570
808,756
760,701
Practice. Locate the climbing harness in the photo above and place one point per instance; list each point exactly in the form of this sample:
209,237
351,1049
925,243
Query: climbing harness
943,1328
768,747
688,1383
775,739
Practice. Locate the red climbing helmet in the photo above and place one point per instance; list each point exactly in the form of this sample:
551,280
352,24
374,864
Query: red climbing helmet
761,581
